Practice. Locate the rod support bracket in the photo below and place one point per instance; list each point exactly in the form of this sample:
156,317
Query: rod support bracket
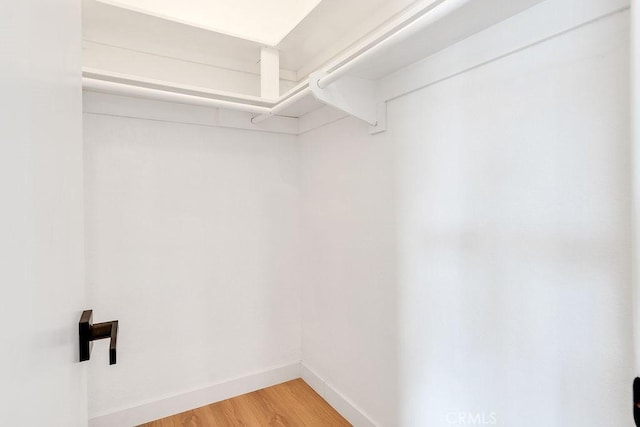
352,95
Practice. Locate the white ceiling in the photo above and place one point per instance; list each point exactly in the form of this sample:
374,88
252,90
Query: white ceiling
265,22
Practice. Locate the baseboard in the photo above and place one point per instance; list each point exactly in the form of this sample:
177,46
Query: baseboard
340,403
184,402
228,389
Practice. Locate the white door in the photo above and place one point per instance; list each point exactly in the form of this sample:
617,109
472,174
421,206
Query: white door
41,214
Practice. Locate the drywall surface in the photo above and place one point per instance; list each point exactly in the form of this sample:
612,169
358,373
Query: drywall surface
191,236
349,292
41,243
491,228
514,237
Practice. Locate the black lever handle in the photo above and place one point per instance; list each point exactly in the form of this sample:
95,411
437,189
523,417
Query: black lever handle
90,332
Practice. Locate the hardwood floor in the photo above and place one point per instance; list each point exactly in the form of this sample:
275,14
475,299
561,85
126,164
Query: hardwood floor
293,403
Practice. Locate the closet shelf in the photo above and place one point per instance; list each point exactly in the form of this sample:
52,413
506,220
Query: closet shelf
347,82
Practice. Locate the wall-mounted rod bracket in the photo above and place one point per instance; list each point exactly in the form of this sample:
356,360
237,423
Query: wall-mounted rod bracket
354,96
90,332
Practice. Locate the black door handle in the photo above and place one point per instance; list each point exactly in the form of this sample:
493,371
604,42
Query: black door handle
90,332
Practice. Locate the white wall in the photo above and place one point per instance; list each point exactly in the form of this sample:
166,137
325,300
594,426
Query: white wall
41,245
191,237
514,213
508,188
349,289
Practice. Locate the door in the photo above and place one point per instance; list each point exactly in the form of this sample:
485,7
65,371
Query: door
41,214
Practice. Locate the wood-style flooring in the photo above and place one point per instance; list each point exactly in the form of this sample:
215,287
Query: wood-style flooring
289,404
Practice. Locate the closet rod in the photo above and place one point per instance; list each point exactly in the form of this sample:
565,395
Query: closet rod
282,105
163,95
407,30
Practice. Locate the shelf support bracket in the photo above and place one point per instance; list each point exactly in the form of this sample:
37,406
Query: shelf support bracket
354,96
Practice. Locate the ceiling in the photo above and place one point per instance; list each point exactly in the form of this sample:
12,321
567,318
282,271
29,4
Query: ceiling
265,22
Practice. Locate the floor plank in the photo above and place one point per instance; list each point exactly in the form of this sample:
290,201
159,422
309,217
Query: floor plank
289,404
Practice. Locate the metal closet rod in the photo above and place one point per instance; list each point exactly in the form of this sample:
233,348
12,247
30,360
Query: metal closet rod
163,95
406,30
282,105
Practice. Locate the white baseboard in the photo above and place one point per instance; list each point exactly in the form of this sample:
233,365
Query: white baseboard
226,390
184,402
340,403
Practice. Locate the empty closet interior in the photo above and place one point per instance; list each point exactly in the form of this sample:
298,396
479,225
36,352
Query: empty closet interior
422,208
